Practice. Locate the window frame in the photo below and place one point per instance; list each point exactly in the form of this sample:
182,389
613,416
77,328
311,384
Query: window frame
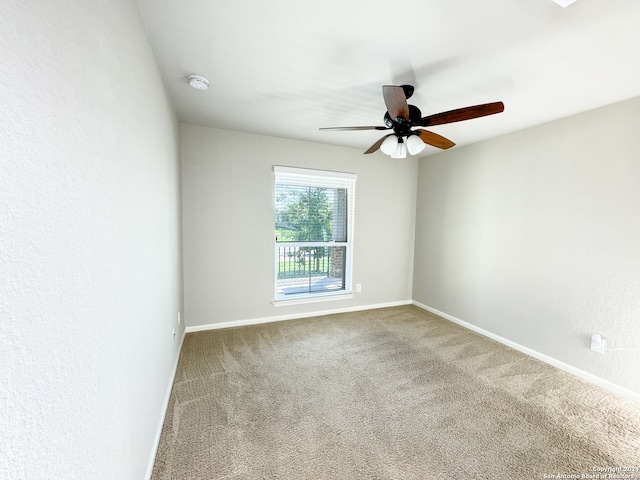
297,176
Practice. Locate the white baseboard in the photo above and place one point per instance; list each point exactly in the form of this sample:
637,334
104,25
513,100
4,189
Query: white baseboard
589,377
163,414
292,316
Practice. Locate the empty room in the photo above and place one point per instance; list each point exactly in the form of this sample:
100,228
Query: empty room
284,240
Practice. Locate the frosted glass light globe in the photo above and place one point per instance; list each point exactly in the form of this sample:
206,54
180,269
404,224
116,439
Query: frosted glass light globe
415,144
390,145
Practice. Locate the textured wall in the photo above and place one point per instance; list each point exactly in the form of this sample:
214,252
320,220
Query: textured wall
227,184
535,236
89,241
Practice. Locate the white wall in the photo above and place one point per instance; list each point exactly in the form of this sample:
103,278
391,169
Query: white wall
535,237
228,225
90,274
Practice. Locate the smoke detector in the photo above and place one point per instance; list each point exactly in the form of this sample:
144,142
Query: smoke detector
564,3
198,82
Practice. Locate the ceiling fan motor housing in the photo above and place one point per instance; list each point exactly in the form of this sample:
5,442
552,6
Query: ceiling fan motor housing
401,126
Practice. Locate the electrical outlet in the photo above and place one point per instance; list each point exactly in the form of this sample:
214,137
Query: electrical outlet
179,319
358,287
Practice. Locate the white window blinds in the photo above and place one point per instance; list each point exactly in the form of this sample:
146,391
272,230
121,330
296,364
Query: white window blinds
313,231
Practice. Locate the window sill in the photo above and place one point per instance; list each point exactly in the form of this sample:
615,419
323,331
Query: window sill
312,298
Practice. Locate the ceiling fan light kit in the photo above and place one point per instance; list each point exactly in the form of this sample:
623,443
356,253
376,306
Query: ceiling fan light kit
398,147
402,117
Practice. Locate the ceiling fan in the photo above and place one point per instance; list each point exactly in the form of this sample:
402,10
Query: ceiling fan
402,117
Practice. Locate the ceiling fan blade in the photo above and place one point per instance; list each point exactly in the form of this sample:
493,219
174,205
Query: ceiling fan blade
355,128
396,101
376,146
461,114
434,139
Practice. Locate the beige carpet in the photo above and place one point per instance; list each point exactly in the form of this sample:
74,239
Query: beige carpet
393,393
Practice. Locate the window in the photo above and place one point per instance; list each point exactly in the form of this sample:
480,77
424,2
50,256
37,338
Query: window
313,232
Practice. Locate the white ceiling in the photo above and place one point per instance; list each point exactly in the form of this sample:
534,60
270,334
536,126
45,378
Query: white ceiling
287,67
